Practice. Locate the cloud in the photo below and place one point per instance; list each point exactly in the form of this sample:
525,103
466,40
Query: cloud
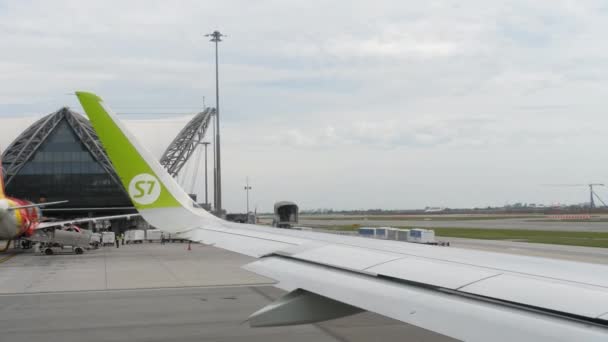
315,91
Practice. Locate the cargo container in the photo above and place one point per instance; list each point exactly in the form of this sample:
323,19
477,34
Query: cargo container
403,234
367,231
135,236
174,238
95,239
153,235
108,238
421,236
381,232
391,233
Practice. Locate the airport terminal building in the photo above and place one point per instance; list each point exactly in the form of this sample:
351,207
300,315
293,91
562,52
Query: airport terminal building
59,157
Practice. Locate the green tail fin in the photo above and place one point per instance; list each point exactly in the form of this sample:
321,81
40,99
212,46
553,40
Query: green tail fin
147,183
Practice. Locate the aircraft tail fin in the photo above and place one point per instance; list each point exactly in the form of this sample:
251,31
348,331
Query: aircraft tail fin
155,194
147,183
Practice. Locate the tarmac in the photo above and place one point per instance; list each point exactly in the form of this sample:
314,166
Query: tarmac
154,292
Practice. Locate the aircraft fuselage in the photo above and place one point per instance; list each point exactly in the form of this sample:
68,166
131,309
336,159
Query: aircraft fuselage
15,223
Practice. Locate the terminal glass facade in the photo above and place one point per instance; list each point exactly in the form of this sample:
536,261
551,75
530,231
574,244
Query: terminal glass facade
62,168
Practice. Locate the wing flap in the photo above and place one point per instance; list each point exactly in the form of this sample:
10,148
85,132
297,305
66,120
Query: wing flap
300,307
460,317
433,272
546,293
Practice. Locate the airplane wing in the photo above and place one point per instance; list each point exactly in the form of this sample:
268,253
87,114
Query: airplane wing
36,205
468,295
50,224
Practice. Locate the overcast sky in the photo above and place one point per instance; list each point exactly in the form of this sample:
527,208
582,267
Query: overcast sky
338,104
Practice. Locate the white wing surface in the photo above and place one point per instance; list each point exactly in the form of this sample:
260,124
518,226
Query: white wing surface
468,295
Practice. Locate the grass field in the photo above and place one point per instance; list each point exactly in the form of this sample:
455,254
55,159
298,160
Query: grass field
419,218
587,239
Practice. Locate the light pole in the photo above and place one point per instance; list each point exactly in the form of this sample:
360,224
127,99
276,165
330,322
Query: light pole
206,143
216,37
247,188
214,168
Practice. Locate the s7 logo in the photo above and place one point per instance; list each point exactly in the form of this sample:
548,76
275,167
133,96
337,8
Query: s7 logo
144,189
141,190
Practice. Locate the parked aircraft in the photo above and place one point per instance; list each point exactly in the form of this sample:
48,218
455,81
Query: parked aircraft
21,219
469,295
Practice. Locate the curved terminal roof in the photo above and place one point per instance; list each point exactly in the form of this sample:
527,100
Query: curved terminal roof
60,156
27,143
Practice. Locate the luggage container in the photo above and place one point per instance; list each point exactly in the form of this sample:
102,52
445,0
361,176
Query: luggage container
422,236
175,238
391,233
135,236
403,234
153,235
108,238
95,239
381,232
367,231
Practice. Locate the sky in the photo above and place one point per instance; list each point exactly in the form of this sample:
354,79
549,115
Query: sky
337,104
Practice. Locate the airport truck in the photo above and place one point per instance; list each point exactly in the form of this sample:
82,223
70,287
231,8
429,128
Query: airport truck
72,238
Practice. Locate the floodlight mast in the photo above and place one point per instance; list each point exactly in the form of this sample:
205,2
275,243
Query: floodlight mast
206,143
216,37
